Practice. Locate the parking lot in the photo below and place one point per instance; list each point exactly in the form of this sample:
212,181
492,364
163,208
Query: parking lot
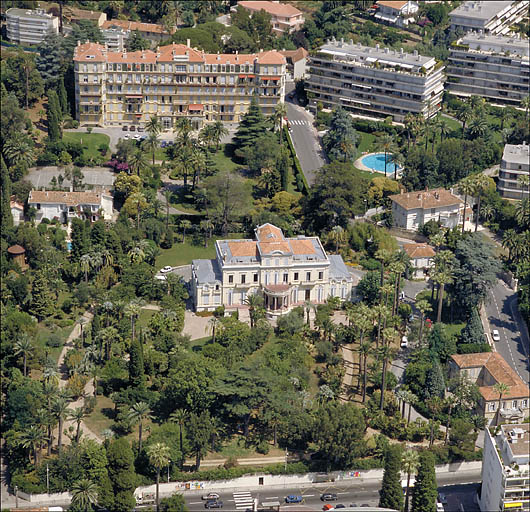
40,177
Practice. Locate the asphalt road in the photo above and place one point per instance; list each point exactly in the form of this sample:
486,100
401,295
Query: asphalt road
457,486
305,140
503,315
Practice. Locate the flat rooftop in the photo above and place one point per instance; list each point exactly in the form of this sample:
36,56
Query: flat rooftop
496,43
369,55
27,13
518,437
480,10
516,153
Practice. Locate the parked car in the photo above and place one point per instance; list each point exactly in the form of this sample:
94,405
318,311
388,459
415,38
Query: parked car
137,137
327,506
353,505
495,335
132,128
439,507
163,144
293,498
165,270
329,496
124,128
404,342
211,496
161,278
340,505
442,498
126,136
213,504
170,143
140,129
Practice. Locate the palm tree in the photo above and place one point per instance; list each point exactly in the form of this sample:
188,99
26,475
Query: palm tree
84,494
206,227
308,306
337,236
409,126
139,412
183,126
254,301
206,135
523,180
218,132
19,150
153,126
385,143
412,400
466,187
488,212
198,162
60,410
138,161
477,127
152,143
185,225
158,454
480,184
503,389
167,197
212,326
280,111
381,312
132,310
525,104
365,349
179,417
398,160
24,347
522,213
84,261
443,128
33,438
423,307
409,464
77,415
464,115
442,277
385,352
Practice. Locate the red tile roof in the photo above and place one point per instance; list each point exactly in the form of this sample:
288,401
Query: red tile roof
243,248
302,246
68,198
295,55
268,233
426,199
273,8
135,25
393,4
419,251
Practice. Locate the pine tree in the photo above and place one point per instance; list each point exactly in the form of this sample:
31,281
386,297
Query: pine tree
6,219
252,126
41,297
391,493
435,383
136,364
122,475
473,331
63,99
425,488
54,117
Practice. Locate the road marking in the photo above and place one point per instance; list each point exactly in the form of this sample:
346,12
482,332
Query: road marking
195,502
308,495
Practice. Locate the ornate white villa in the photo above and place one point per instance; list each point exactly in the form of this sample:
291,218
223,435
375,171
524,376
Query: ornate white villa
284,271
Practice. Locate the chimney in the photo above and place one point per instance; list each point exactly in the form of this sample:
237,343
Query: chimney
188,42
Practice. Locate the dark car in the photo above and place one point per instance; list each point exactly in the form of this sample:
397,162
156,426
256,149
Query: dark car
140,129
124,128
340,505
293,498
132,128
213,504
329,496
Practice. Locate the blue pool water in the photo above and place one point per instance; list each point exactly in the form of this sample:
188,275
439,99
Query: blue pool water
377,163
69,246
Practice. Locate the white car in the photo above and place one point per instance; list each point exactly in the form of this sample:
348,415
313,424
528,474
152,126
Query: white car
211,496
404,342
166,269
495,335
137,137
126,136
161,278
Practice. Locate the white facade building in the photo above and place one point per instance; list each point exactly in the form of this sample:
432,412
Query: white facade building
115,38
421,258
492,17
286,272
17,212
515,163
494,67
414,209
68,205
375,82
30,27
505,469
396,12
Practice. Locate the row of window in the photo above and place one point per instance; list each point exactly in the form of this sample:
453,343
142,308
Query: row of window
183,68
285,277
515,403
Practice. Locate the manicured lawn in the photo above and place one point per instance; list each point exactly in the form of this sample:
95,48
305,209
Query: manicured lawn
90,142
101,417
223,158
182,254
367,143
236,448
453,124
144,317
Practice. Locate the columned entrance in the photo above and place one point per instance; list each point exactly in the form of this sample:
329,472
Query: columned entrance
276,297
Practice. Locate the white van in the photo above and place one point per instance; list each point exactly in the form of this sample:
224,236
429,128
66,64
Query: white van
404,342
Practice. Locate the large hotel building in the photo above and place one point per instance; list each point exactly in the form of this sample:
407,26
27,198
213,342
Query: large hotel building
175,81
374,81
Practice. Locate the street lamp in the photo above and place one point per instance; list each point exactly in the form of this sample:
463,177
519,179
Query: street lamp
365,201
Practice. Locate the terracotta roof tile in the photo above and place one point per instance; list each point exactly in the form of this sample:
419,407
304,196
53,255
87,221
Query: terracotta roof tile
419,251
68,198
16,204
89,52
272,247
426,199
302,246
243,248
271,57
268,232
394,4
273,8
295,55
135,25
167,52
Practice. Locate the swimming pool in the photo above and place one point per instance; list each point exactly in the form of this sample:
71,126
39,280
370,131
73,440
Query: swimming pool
68,246
376,162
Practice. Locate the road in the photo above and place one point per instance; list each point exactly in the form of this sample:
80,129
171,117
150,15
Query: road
457,486
503,315
305,140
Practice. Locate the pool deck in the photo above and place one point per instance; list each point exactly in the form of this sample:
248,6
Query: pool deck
359,164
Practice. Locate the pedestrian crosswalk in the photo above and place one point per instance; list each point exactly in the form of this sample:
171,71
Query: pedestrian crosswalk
243,500
298,122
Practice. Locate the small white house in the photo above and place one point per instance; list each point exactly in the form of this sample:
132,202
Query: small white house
65,206
17,211
421,258
296,62
412,210
396,12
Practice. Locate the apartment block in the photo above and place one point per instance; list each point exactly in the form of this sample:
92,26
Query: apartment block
150,31
30,27
286,272
506,469
285,18
494,67
375,82
515,163
175,81
492,17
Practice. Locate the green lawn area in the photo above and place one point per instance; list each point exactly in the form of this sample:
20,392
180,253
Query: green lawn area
90,142
367,144
236,448
101,417
144,317
223,158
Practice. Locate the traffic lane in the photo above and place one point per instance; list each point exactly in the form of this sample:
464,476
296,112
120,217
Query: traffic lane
353,491
461,496
308,151
512,345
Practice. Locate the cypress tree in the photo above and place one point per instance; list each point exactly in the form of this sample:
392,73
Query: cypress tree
54,117
425,489
435,383
122,475
391,493
252,126
136,364
6,219
80,240
41,297
473,331
63,99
